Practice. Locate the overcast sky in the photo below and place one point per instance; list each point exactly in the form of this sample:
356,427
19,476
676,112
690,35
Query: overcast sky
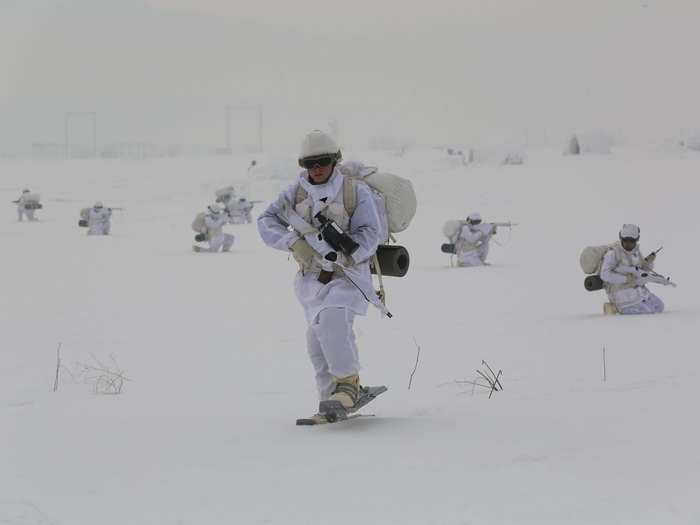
439,72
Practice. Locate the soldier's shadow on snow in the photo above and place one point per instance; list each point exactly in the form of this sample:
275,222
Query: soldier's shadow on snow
575,317
600,316
427,268
397,424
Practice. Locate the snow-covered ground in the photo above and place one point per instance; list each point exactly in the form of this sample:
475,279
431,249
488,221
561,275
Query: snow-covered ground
214,349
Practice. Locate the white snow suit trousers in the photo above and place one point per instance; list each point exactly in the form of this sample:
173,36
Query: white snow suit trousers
101,228
650,305
222,242
331,344
21,211
471,258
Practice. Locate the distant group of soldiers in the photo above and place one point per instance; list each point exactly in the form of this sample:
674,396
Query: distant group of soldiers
96,219
228,208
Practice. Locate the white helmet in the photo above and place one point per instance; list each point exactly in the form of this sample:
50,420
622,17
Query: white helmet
629,231
474,218
215,208
98,204
318,144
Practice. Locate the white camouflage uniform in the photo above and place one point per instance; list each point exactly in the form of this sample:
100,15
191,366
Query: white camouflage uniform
218,240
99,222
472,245
329,308
21,210
619,273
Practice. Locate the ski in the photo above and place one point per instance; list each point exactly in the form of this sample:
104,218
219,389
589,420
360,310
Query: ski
334,412
323,421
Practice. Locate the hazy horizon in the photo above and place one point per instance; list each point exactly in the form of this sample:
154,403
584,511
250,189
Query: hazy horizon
443,72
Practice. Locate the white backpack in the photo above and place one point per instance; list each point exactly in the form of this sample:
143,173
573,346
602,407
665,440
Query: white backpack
591,258
394,196
31,198
198,224
223,192
452,229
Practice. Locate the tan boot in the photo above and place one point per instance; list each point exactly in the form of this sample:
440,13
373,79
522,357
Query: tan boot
609,309
347,390
316,419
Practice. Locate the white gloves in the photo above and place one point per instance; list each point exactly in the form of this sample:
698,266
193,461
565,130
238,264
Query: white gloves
312,245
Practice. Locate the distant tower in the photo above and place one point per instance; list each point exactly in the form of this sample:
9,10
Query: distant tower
574,148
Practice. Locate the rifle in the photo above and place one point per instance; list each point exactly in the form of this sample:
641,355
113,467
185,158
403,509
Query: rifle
325,248
31,205
654,253
335,236
649,276
594,282
504,224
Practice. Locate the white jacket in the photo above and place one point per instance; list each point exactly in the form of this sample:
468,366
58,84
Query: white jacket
99,221
618,271
215,224
363,227
474,240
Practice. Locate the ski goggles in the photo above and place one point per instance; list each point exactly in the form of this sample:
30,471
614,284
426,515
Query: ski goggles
312,162
629,241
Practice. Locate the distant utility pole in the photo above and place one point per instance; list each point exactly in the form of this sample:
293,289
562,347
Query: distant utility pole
72,114
258,110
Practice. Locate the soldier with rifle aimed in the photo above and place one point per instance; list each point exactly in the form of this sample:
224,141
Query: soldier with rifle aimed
469,240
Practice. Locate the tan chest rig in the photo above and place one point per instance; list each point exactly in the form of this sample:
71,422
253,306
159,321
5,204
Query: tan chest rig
625,258
335,211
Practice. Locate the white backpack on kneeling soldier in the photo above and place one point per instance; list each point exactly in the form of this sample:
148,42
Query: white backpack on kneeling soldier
591,258
84,215
222,193
591,261
200,227
452,229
